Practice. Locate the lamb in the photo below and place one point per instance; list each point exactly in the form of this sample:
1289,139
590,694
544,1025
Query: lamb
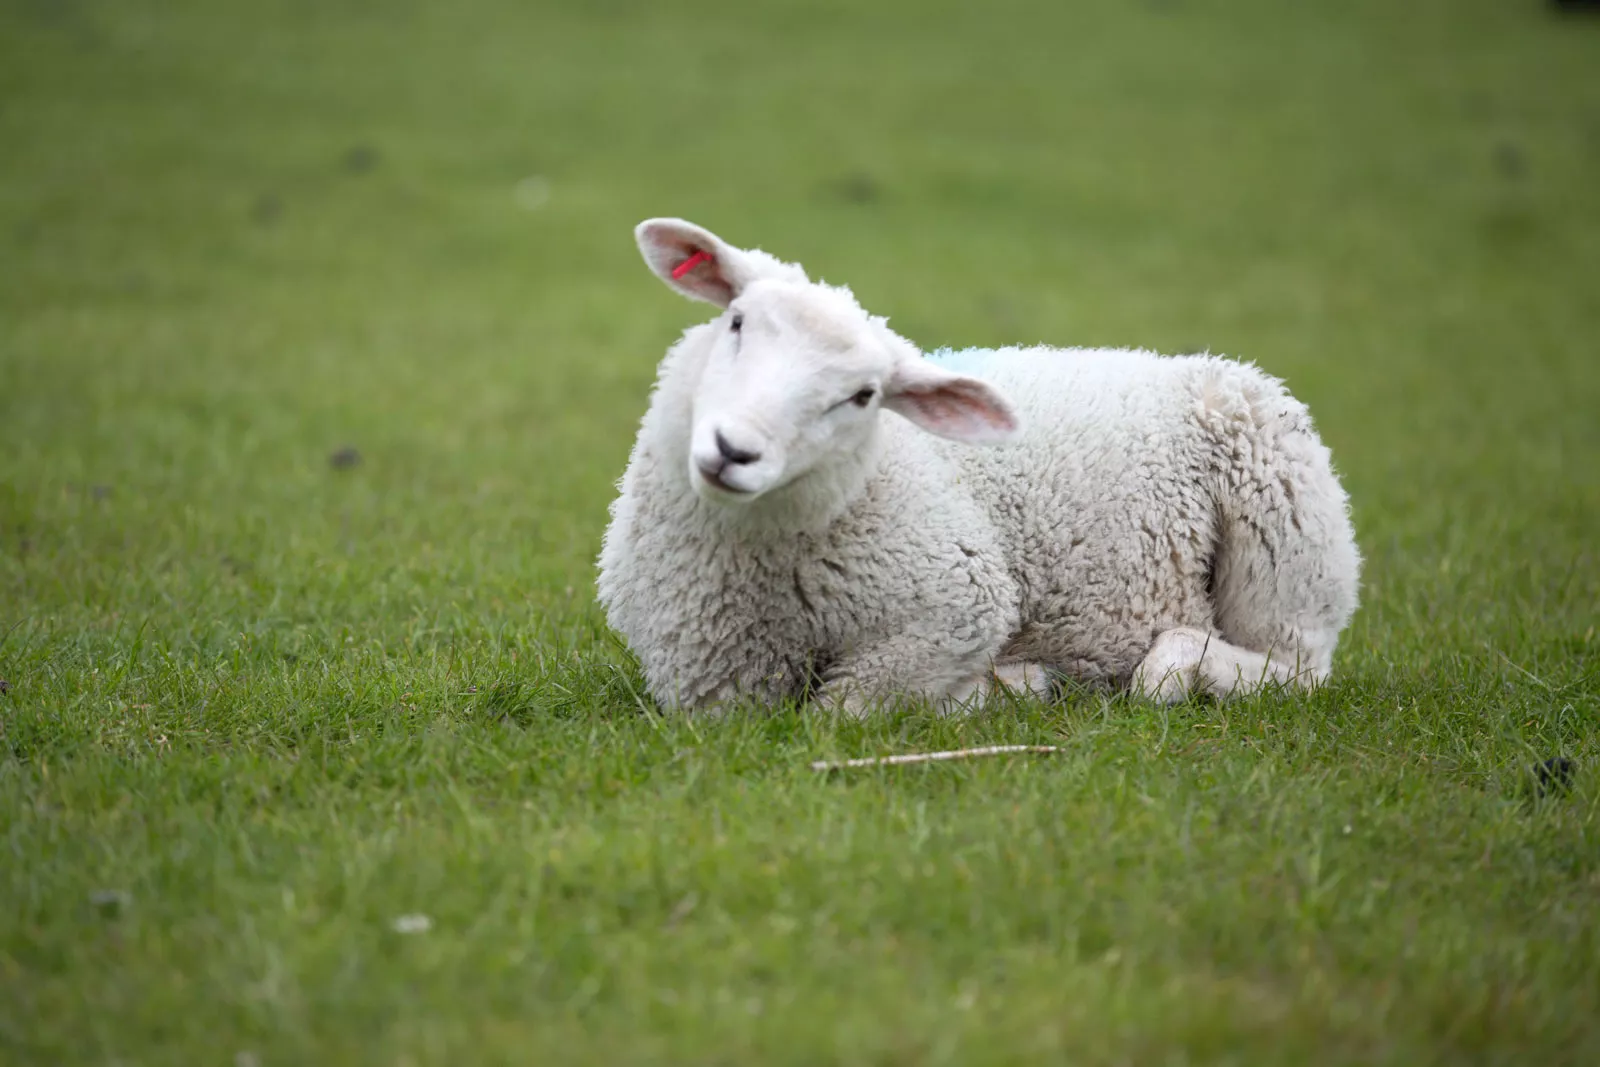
815,509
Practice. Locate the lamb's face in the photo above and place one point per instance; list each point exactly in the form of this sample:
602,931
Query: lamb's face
793,382
796,373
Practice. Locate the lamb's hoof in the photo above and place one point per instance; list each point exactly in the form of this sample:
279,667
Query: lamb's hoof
1171,669
1027,679
850,703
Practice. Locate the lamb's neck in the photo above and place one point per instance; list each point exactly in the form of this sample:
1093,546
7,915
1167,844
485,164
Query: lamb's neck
814,501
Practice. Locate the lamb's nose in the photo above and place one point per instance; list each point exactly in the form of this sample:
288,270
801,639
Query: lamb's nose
734,455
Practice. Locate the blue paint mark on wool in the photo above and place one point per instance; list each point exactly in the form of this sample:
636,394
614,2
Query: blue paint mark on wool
969,361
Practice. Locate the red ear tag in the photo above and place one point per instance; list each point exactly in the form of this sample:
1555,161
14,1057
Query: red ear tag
690,264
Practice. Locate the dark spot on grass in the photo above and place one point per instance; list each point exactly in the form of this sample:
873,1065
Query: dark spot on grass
858,188
1509,160
110,903
1509,224
99,493
346,458
267,209
360,159
1554,776
5,687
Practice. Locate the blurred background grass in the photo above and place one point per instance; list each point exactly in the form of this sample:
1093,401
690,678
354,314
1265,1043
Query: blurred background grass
236,239
243,236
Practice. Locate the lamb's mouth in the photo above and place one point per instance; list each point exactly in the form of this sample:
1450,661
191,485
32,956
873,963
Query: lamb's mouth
713,477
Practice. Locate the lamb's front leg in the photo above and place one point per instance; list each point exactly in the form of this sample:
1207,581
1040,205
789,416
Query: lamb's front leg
954,678
1016,677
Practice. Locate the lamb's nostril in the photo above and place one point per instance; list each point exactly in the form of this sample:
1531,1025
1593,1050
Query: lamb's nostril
734,455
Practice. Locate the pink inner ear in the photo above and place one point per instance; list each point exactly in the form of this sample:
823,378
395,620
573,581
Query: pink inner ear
957,409
690,264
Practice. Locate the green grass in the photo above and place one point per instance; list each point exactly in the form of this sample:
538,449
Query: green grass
260,707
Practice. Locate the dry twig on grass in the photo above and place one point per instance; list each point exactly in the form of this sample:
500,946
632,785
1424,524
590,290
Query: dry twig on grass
932,757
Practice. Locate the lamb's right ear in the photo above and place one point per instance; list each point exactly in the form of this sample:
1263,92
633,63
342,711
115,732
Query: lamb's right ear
950,405
701,265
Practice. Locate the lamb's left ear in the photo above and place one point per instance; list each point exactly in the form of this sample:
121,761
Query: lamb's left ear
701,265
950,405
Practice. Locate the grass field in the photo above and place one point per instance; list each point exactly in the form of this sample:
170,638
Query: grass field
261,705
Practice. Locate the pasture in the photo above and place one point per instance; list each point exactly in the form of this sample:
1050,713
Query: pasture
323,340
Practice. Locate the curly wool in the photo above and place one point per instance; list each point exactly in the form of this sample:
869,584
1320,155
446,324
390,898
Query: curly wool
1148,496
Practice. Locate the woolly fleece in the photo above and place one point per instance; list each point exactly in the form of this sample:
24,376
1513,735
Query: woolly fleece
1184,496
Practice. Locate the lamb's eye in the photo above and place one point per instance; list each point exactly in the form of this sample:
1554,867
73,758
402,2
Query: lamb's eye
737,323
863,398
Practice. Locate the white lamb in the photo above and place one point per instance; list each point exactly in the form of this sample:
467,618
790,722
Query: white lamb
1169,524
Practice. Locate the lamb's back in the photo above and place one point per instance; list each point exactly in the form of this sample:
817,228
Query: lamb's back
1106,504
1092,420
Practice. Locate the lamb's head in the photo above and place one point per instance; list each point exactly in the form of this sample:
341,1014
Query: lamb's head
795,373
